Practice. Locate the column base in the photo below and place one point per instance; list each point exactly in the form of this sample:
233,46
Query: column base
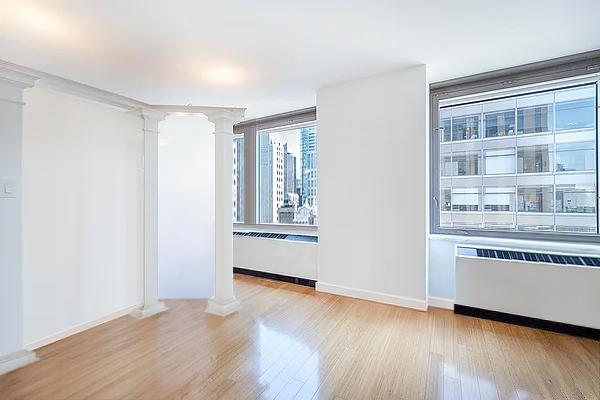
16,360
148,311
223,308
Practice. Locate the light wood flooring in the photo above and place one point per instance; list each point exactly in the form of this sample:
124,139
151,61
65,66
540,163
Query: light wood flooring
291,342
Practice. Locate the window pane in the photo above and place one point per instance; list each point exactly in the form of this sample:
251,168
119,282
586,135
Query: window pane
445,126
499,199
535,199
534,159
238,178
466,199
466,163
499,161
575,109
465,127
447,166
287,176
576,199
535,118
446,196
500,123
576,156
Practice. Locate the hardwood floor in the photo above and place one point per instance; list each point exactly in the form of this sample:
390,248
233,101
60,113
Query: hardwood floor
291,342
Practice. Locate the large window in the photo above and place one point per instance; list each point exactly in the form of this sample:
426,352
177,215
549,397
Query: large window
287,175
275,172
523,162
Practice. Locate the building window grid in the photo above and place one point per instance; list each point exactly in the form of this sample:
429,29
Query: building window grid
483,138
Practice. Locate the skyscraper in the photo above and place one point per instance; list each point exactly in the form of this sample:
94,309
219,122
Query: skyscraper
289,174
271,178
308,149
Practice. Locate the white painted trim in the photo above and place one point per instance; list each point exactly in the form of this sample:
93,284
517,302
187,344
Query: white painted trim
370,295
146,312
16,360
80,328
440,302
520,244
222,309
19,73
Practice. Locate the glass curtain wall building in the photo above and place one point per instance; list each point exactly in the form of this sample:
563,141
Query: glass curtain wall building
521,163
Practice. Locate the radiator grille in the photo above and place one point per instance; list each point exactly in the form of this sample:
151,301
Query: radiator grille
547,258
279,236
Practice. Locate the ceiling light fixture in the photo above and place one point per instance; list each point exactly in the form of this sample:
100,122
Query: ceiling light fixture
224,75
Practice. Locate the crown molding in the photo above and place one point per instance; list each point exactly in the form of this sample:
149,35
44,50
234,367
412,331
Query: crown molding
17,78
28,76
237,113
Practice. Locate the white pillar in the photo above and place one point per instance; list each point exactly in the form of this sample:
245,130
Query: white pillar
151,304
12,354
223,302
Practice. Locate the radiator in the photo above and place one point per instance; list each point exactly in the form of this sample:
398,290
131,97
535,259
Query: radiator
555,287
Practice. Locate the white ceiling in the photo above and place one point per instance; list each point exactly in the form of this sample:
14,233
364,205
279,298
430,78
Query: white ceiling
272,55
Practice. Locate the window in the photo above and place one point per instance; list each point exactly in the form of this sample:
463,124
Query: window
238,178
275,172
523,162
287,175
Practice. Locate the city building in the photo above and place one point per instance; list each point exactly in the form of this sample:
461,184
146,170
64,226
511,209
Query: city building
271,175
308,149
289,174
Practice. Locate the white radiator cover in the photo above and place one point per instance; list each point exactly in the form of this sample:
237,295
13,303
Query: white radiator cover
567,294
284,257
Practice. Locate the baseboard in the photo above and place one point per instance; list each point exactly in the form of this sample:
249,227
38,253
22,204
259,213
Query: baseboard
440,302
276,277
80,328
370,295
16,360
553,326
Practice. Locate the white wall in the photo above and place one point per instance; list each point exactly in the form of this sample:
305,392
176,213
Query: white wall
297,259
441,257
372,187
186,207
82,205
11,315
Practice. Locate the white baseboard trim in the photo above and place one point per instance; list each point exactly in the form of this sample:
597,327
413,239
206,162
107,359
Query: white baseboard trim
16,360
223,309
370,295
440,302
145,312
80,328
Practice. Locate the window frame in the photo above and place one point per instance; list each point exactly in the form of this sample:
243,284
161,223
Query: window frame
250,130
557,73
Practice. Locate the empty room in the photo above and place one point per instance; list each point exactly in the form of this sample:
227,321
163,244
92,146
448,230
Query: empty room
345,200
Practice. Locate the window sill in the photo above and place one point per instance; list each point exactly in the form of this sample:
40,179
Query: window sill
542,245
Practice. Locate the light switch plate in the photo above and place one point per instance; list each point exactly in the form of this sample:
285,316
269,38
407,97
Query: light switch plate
8,188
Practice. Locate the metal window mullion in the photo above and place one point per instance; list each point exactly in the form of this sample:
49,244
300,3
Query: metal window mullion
250,168
554,161
597,157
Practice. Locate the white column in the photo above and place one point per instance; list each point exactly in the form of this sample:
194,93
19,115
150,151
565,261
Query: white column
151,304
12,354
223,302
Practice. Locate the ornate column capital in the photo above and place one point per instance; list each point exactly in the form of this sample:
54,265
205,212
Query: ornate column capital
151,119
